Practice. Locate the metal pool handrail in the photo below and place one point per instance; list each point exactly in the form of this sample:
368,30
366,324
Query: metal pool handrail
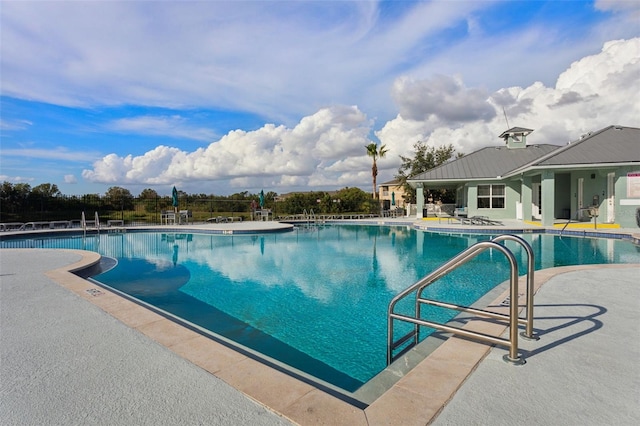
460,259
528,334
592,212
83,223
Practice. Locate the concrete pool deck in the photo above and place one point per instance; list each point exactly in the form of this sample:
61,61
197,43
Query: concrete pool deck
111,361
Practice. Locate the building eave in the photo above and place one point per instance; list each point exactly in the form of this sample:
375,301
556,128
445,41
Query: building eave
572,166
414,183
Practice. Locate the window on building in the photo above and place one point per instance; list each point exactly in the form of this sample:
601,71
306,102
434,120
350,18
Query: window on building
491,196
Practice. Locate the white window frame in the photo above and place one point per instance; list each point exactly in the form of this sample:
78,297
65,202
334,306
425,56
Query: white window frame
493,195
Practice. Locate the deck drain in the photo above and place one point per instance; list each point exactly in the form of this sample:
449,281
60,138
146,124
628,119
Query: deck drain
94,292
507,300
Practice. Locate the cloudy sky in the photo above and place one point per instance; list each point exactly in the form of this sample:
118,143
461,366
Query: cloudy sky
230,96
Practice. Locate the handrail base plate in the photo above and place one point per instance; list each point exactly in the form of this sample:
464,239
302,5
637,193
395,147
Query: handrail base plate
512,361
534,336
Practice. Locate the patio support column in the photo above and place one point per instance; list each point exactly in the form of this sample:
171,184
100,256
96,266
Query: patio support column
419,200
525,198
548,197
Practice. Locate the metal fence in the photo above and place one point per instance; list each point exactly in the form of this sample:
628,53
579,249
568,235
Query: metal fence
132,211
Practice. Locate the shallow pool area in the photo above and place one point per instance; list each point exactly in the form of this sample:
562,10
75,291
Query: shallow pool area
316,298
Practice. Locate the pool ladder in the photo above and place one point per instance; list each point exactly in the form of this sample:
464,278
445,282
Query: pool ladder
413,337
310,217
84,223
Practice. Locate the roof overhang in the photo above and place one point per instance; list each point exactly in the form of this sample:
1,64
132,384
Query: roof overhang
585,166
414,183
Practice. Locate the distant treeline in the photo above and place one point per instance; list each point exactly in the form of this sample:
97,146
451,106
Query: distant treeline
22,203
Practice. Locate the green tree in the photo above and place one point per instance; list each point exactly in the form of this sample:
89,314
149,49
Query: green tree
6,189
149,193
269,199
149,198
119,198
425,158
238,202
19,191
46,199
299,202
46,190
353,200
13,199
328,204
244,195
374,152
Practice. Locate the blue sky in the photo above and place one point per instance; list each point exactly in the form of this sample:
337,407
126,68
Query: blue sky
222,97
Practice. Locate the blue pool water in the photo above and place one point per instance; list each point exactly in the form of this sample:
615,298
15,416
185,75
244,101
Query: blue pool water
313,299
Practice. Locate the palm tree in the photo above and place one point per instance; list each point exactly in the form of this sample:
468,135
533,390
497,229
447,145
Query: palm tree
374,152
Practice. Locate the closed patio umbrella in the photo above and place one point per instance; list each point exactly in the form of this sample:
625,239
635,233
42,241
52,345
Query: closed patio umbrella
262,199
393,198
174,199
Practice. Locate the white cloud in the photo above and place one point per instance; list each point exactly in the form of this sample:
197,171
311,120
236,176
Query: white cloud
592,93
171,126
616,68
59,153
70,179
297,156
442,96
14,124
276,59
617,5
16,179
326,149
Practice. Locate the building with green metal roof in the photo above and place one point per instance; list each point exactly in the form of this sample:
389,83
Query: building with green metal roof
593,179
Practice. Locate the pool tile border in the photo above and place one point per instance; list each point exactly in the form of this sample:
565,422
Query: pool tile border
409,401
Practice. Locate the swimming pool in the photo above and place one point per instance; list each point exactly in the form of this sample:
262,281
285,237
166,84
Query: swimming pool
314,299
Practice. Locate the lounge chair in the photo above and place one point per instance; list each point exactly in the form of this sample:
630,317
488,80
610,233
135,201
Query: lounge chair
36,225
219,219
11,226
167,217
184,216
479,220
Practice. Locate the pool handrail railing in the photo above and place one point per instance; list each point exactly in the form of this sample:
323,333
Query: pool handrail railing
528,334
84,222
460,259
